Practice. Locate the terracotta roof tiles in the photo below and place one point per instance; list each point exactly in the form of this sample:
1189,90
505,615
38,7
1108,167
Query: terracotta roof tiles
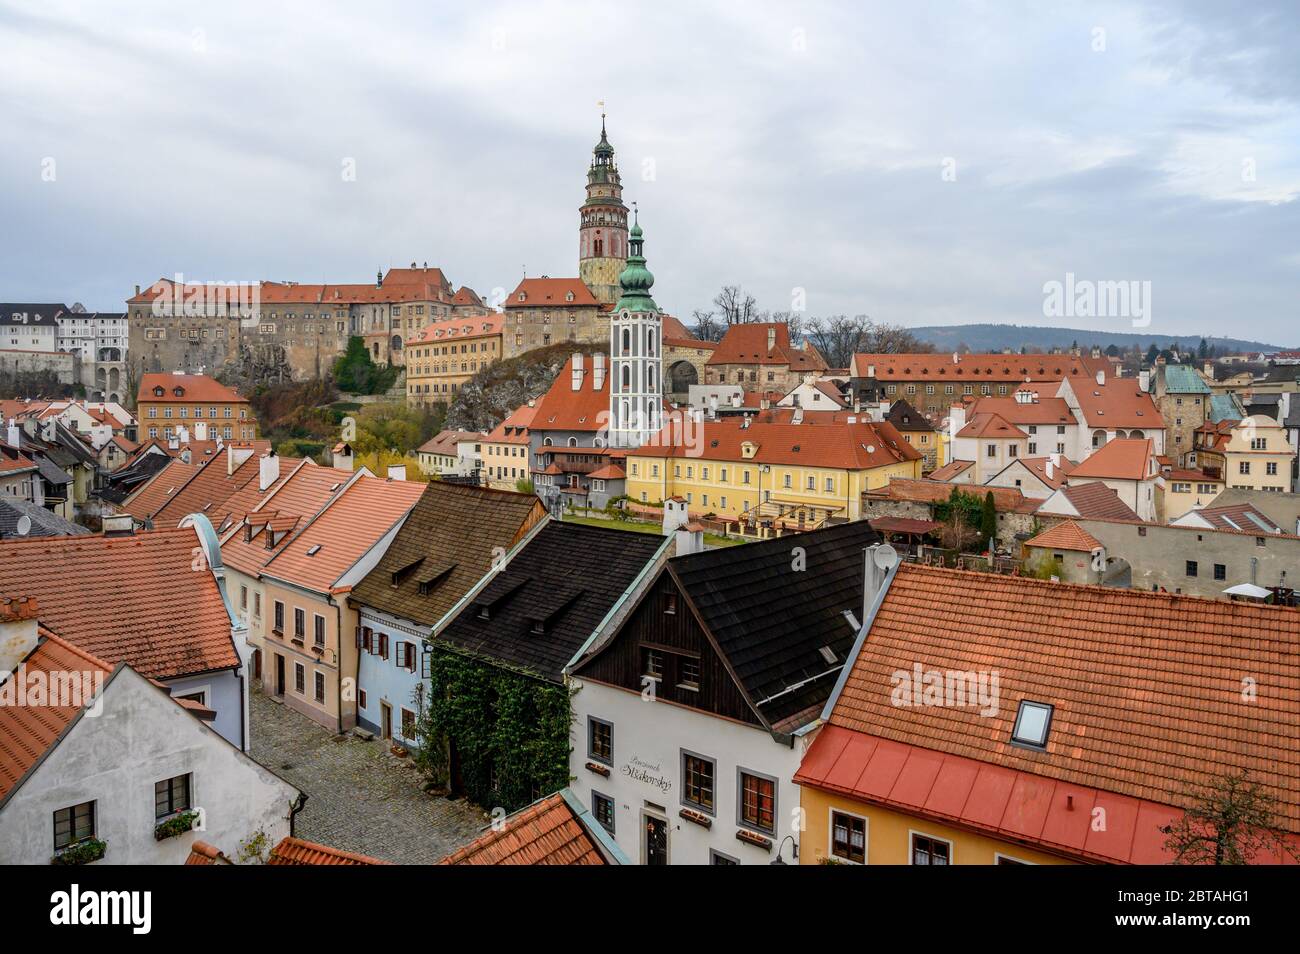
1066,535
296,852
548,832
134,598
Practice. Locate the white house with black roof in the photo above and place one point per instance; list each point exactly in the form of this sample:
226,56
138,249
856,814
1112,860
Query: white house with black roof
692,715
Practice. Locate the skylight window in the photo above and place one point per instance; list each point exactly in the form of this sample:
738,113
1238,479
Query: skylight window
1033,721
828,654
313,549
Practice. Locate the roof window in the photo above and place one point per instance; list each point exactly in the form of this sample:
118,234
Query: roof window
1033,721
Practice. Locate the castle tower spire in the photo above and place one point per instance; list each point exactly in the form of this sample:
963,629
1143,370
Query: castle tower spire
602,228
636,353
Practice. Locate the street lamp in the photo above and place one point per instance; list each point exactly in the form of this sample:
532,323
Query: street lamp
794,850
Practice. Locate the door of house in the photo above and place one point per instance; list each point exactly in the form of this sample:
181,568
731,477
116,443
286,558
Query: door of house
279,674
386,720
257,664
656,840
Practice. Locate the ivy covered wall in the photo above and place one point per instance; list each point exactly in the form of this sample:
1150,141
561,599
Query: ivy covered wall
510,730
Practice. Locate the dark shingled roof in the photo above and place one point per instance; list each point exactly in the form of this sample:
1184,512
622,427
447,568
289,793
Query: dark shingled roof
904,417
43,522
770,620
445,546
567,578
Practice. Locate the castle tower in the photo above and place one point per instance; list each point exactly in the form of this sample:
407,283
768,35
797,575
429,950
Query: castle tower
602,230
636,355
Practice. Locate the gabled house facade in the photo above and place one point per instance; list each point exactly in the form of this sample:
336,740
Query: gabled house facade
99,762
692,715
453,538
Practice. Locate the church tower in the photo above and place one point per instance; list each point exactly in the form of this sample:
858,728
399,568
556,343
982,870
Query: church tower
602,230
635,355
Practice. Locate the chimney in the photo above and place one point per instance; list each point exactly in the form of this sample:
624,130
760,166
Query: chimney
343,456
200,430
118,525
1208,368
675,514
396,471
577,371
771,337
236,454
1144,380
13,435
956,419
597,371
137,291
18,634
797,417
871,370
1050,468
1101,376
268,470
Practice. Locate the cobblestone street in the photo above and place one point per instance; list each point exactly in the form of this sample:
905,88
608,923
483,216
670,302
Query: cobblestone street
360,796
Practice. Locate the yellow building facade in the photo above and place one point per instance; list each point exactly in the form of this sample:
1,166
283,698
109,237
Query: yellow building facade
756,478
442,356
840,830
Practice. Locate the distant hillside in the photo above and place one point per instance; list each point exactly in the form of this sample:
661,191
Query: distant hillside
990,337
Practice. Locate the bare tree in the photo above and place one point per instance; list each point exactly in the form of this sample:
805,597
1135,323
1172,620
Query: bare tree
707,325
736,307
1229,823
955,533
838,338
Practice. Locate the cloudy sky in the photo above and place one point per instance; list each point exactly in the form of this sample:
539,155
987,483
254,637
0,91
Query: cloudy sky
921,163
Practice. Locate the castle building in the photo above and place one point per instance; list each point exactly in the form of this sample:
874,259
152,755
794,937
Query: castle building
602,236
636,354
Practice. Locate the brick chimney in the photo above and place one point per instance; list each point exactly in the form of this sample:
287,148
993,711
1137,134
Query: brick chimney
268,471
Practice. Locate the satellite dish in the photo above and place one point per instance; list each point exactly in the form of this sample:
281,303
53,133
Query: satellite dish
885,556
24,525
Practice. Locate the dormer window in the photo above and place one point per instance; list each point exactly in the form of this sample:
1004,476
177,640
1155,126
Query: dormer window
568,296
523,296
1033,722
157,392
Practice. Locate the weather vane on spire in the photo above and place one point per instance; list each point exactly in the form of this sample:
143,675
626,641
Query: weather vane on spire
636,219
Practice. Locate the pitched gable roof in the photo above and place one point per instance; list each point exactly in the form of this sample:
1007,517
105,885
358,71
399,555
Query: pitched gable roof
551,831
782,633
195,388
1066,535
1121,459
27,732
445,546
551,291
991,426
1123,723
562,408
323,551
748,344
134,598
153,494
1096,501
296,852
564,579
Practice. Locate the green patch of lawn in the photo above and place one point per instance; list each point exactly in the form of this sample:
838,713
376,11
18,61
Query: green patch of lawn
633,526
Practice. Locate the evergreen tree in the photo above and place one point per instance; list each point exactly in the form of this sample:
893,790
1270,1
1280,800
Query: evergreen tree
989,520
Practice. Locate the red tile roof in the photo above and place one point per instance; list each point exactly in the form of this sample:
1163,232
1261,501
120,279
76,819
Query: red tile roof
563,409
1147,688
1046,410
538,292
1066,535
934,491
951,469
133,598
201,853
974,367
154,493
207,490
608,472
1096,501
300,495
1038,467
464,326
991,426
841,446
748,344
1125,459
28,731
195,388
295,851
1119,403
545,833
353,522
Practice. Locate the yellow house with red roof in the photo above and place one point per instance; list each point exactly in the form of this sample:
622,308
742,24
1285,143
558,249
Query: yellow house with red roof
767,472
168,401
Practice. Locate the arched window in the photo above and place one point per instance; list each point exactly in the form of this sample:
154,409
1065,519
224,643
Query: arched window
573,442
650,341
625,379
627,341
547,442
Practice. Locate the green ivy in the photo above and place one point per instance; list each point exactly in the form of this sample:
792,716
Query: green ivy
500,719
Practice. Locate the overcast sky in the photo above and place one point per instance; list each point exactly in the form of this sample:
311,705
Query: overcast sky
921,163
